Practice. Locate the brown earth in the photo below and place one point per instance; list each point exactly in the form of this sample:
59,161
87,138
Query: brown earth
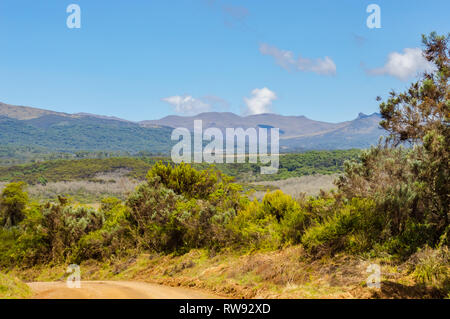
113,290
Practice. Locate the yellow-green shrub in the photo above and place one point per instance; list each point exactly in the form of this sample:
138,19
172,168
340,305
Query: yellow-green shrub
432,268
353,227
278,220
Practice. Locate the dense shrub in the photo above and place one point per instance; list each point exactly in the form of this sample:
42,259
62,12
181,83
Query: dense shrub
391,178
278,220
411,186
211,185
153,215
291,218
355,227
431,267
13,201
48,233
167,221
112,239
65,225
185,180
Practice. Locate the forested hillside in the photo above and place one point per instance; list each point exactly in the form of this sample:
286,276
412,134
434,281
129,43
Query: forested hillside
291,165
56,133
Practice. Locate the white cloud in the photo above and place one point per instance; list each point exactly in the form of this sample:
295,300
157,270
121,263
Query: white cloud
260,101
286,60
404,66
283,58
186,104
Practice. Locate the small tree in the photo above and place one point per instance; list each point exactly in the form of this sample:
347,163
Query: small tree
13,202
411,187
421,116
425,106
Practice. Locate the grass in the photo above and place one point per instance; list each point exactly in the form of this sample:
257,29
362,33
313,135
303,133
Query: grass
13,288
286,273
309,185
116,184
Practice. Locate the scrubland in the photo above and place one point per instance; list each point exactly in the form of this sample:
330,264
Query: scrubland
13,288
198,226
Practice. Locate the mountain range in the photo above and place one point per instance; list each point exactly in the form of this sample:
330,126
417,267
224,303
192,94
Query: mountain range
57,131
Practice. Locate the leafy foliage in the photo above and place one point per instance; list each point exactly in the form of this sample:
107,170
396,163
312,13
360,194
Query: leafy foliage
180,208
12,204
354,227
411,187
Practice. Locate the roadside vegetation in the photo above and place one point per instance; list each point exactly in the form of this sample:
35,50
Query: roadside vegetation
13,288
391,206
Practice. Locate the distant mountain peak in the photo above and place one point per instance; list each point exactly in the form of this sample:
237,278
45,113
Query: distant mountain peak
363,115
103,117
23,125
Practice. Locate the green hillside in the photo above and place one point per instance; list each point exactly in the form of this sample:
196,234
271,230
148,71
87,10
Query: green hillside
291,165
57,133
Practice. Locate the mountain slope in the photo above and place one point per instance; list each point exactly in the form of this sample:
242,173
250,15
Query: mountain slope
66,132
25,112
55,131
359,133
289,126
296,132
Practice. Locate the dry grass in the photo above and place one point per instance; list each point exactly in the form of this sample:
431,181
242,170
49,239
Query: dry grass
83,190
13,288
309,185
115,184
285,273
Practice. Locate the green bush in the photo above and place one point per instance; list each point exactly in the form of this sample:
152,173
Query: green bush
278,220
167,222
112,239
354,228
64,225
153,216
13,288
432,268
13,201
185,180
255,229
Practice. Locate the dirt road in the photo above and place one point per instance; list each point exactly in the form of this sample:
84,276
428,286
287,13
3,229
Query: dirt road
113,290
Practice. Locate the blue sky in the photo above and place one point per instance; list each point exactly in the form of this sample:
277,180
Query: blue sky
144,60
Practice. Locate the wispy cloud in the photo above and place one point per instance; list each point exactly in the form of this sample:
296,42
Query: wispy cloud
188,105
403,65
236,12
216,103
286,59
234,15
260,101
359,39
